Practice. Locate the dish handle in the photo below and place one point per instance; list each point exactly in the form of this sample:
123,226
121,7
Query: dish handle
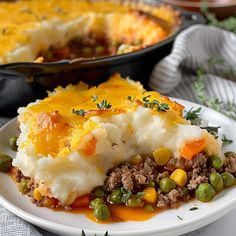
192,18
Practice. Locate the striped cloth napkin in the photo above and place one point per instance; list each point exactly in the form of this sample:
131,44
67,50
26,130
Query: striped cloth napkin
174,76
196,48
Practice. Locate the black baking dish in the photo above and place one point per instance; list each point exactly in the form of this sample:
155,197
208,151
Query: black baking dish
23,82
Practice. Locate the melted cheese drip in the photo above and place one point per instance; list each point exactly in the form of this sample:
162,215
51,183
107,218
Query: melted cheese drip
19,19
56,130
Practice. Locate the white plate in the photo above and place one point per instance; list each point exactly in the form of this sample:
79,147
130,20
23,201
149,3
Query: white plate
163,224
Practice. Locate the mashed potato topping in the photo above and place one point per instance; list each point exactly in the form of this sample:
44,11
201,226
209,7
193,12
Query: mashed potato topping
69,140
30,27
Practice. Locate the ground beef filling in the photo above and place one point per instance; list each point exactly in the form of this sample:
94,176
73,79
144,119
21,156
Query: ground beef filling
134,178
90,47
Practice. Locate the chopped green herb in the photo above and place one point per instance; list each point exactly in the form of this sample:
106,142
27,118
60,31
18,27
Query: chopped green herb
104,105
126,195
79,112
180,217
193,208
145,99
130,98
212,130
94,98
225,140
83,233
140,194
155,104
193,115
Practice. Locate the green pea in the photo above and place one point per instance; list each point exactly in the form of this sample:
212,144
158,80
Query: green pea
95,202
99,49
99,192
23,186
205,192
12,143
134,201
151,184
216,162
5,162
116,196
166,185
228,179
216,181
149,208
87,50
101,212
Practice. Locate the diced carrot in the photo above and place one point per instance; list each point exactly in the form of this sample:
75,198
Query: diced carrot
192,148
90,147
50,202
82,201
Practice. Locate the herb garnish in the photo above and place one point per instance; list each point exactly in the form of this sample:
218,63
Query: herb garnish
180,218
130,98
193,115
155,104
193,208
227,108
83,233
126,195
227,24
79,112
140,194
94,98
104,105
225,140
212,130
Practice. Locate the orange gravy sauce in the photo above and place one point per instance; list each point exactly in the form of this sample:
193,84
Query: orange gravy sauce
119,213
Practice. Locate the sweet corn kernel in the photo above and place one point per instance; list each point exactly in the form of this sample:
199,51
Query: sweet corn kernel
135,160
180,177
161,156
37,195
150,195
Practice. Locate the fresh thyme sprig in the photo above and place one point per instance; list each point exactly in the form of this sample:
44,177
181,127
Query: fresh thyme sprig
79,112
228,108
213,130
225,140
104,105
194,116
155,104
227,24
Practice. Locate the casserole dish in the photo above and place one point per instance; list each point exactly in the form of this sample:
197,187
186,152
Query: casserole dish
27,81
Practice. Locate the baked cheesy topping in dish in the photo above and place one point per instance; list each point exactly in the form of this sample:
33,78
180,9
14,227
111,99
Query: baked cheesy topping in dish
60,29
115,152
